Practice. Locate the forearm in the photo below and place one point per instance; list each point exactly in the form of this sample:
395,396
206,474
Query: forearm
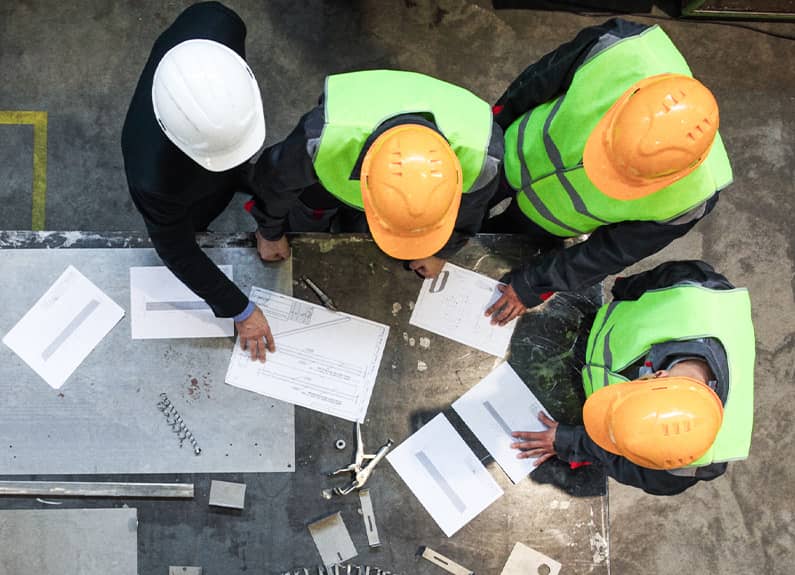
190,264
281,174
607,251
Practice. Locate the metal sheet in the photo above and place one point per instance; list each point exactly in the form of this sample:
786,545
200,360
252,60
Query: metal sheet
227,494
105,419
69,542
369,518
332,539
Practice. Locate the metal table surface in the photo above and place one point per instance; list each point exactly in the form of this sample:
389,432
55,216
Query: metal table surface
557,511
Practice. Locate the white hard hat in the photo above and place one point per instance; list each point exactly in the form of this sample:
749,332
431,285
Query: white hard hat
208,103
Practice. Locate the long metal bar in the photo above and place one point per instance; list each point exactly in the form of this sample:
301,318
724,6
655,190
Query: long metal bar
101,489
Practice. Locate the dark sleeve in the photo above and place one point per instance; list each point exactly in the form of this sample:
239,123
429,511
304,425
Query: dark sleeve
573,444
173,237
607,251
668,274
282,173
205,20
475,203
552,74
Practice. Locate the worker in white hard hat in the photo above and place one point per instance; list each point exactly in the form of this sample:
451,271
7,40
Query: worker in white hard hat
195,121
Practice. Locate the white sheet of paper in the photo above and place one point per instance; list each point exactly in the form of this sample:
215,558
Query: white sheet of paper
453,304
500,404
324,360
162,307
63,326
444,474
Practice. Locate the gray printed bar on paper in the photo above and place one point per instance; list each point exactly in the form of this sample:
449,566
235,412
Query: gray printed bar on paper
69,329
105,419
441,481
175,305
497,417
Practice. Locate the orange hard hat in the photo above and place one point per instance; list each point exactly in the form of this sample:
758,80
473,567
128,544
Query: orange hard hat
662,423
411,185
656,133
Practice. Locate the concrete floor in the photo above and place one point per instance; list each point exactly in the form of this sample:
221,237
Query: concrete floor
79,61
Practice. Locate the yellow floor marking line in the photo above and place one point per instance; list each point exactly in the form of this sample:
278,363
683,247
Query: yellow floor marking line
39,122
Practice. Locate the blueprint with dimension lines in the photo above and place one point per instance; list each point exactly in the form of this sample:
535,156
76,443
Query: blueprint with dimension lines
324,360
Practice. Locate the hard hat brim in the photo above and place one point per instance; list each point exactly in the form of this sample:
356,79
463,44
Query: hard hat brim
596,413
601,405
414,247
599,168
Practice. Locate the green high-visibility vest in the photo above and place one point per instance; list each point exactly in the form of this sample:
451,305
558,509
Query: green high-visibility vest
544,147
624,331
357,103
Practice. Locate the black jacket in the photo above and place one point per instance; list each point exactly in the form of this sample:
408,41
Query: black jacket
610,248
572,442
171,190
286,170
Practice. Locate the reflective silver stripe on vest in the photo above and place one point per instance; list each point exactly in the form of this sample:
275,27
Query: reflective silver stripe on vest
557,161
611,306
527,187
608,355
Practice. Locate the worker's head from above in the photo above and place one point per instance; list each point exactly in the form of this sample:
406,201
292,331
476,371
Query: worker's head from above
665,420
208,104
655,134
411,186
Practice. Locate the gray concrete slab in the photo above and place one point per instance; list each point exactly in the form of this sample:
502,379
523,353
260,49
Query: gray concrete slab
16,173
105,418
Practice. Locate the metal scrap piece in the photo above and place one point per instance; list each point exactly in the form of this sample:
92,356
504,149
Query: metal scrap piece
444,562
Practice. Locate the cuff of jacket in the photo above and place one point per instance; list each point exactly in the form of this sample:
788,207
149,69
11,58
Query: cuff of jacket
565,440
246,313
271,233
529,297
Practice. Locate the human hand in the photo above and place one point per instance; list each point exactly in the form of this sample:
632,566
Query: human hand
272,251
540,444
255,335
507,307
427,267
